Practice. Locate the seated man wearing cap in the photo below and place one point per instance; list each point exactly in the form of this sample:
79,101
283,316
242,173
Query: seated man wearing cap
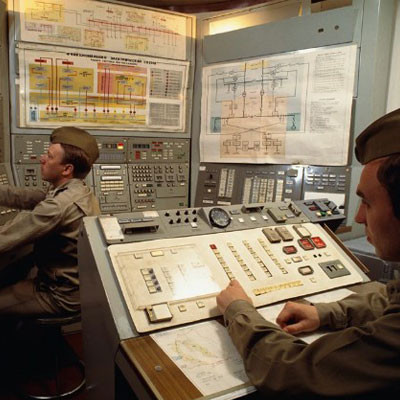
361,358
50,220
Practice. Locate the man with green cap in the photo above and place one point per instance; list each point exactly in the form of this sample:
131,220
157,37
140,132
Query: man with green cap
50,220
361,357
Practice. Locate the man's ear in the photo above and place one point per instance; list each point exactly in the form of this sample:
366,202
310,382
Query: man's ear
68,170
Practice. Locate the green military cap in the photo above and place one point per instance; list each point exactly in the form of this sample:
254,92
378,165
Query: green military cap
380,139
77,137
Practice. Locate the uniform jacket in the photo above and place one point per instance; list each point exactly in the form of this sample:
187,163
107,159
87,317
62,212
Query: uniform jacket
51,221
362,359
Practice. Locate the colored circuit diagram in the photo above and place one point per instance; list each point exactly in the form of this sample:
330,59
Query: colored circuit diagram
101,90
98,25
60,91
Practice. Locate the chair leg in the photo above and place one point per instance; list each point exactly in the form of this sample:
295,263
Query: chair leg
57,346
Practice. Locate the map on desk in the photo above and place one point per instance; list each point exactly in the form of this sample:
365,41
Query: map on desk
206,355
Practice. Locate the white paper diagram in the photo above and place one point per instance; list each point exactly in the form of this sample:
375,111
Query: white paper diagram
205,354
100,89
289,108
104,26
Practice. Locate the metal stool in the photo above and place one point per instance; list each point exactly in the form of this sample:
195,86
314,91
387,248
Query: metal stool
51,383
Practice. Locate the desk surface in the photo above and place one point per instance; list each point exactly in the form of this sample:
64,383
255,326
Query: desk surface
162,376
164,379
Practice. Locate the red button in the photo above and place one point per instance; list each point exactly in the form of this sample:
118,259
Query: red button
318,242
306,244
289,249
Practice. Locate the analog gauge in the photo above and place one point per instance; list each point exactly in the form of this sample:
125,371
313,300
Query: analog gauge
219,217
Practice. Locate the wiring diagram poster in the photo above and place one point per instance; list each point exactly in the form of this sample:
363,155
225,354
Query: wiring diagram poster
282,109
104,26
99,89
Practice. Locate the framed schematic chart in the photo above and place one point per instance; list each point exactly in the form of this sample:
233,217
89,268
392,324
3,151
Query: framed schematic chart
104,26
282,109
100,89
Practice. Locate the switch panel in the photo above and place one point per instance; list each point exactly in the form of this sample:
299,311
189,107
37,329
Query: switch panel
226,184
111,187
6,213
130,173
29,148
112,150
158,173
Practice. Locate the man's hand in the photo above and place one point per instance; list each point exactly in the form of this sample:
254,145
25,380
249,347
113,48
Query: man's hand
233,291
296,318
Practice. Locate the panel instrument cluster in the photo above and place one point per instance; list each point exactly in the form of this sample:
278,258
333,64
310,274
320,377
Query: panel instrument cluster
226,184
171,264
130,174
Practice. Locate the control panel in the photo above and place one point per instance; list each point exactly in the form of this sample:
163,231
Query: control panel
323,211
112,150
6,213
26,158
272,183
111,187
331,182
225,184
171,264
130,173
158,173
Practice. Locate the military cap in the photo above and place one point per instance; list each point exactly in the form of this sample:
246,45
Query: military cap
380,139
77,137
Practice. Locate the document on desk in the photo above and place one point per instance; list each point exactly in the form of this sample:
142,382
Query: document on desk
270,313
206,355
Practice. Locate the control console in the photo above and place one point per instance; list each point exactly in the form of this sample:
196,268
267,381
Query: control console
169,265
130,174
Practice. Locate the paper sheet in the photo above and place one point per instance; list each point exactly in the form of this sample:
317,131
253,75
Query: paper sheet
90,88
270,313
104,26
206,355
283,109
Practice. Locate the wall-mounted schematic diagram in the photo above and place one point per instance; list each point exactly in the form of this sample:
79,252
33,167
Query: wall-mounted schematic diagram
104,26
279,109
99,89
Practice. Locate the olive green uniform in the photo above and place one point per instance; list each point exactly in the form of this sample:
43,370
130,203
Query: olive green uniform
52,224
361,359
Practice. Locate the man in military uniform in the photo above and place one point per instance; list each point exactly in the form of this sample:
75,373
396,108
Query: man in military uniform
50,220
362,356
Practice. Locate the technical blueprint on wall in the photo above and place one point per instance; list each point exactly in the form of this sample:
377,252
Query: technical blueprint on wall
99,89
283,109
103,26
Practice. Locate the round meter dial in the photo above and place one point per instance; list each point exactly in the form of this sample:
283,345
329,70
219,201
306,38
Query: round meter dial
219,217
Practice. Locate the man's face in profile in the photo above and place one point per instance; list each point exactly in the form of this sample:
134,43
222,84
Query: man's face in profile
376,213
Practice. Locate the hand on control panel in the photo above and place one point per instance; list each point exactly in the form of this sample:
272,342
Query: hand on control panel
297,318
233,291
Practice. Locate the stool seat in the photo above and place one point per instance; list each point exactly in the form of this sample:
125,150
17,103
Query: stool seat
50,384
